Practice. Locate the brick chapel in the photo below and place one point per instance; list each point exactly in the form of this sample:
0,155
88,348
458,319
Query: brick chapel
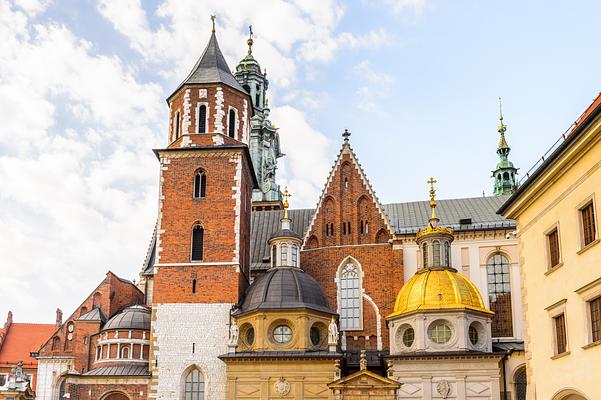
241,297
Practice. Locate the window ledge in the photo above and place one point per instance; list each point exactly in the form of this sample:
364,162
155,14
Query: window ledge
588,246
554,268
593,344
560,355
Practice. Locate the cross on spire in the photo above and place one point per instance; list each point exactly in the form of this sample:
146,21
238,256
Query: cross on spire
431,182
250,40
502,127
346,134
213,17
287,195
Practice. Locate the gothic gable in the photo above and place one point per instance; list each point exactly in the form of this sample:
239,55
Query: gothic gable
348,212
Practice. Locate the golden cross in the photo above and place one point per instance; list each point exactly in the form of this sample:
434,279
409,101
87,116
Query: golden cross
213,17
431,182
287,195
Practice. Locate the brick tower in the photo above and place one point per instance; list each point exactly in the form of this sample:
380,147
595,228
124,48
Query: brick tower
203,230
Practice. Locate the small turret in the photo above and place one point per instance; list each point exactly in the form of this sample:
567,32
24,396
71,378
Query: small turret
505,174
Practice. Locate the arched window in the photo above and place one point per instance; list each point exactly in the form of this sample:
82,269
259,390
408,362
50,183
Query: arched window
231,126
194,386
273,255
125,352
425,255
176,127
258,96
349,289
56,343
366,227
83,310
202,119
62,389
499,295
294,255
447,254
506,175
284,254
197,243
200,185
520,383
247,88
436,253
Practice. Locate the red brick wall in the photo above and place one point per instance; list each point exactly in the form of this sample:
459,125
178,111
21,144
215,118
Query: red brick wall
102,390
348,202
231,98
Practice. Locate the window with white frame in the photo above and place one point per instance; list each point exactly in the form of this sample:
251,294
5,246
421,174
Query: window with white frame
294,254
284,254
350,297
194,388
3,379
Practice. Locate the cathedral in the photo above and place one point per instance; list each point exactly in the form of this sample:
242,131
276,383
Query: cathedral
242,297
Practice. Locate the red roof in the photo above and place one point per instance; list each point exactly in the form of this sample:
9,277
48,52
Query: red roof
588,111
23,339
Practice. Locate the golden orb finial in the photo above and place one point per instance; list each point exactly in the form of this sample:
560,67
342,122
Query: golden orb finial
213,17
431,182
502,127
287,195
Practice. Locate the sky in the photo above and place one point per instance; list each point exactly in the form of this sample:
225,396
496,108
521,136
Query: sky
82,103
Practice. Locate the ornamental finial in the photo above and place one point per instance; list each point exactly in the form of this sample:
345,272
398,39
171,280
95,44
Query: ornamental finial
213,17
250,40
431,182
502,127
346,134
287,195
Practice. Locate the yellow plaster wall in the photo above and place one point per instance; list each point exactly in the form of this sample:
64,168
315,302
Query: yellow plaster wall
555,199
256,379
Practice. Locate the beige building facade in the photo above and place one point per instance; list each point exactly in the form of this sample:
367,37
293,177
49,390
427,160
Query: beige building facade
556,210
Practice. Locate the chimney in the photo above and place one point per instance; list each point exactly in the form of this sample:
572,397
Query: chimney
59,318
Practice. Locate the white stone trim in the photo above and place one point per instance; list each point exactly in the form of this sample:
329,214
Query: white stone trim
236,123
378,321
219,113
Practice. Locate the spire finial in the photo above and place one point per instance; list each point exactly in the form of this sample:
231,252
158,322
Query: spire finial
213,17
502,127
250,40
431,182
287,195
346,134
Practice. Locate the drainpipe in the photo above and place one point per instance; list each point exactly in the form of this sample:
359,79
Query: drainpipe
507,354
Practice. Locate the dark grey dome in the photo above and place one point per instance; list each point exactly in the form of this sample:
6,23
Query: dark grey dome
285,233
135,317
285,288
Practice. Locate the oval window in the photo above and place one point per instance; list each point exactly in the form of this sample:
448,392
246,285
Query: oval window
473,334
315,336
250,336
282,334
408,337
439,332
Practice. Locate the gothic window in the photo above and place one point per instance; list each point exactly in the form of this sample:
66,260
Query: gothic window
202,119
284,254
231,126
313,242
447,254
425,255
62,389
361,227
499,295
56,343
366,227
176,127
197,243
200,185
294,254
520,382
82,311
344,228
382,236
348,227
194,388
436,253
349,290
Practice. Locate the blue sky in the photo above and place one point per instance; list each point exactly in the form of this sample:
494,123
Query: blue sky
83,83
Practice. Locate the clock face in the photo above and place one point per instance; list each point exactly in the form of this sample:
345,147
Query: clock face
70,328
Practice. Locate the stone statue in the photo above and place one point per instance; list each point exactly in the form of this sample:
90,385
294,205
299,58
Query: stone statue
234,333
333,333
362,361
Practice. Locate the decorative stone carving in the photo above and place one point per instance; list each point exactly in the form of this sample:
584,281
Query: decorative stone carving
234,334
362,361
443,388
333,333
282,387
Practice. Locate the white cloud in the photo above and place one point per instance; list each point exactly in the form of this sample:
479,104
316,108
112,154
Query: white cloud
33,7
374,88
400,6
366,72
78,178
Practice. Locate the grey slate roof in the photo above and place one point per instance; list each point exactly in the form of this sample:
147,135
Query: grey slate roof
211,67
508,346
135,317
285,288
405,218
120,370
94,315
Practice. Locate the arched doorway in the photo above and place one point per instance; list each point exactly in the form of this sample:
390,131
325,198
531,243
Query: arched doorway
569,394
520,383
115,396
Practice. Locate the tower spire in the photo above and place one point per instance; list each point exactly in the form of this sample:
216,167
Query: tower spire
431,182
213,17
250,40
505,173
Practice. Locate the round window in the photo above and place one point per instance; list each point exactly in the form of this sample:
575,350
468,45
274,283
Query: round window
250,336
473,334
408,337
315,335
439,332
282,334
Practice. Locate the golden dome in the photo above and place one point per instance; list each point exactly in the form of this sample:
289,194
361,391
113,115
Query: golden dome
434,289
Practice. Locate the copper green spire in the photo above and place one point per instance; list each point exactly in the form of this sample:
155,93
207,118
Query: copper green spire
505,173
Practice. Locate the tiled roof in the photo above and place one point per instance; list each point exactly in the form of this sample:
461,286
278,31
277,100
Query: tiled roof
120,370
211,67
94,315
405,218
23,339
134,317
